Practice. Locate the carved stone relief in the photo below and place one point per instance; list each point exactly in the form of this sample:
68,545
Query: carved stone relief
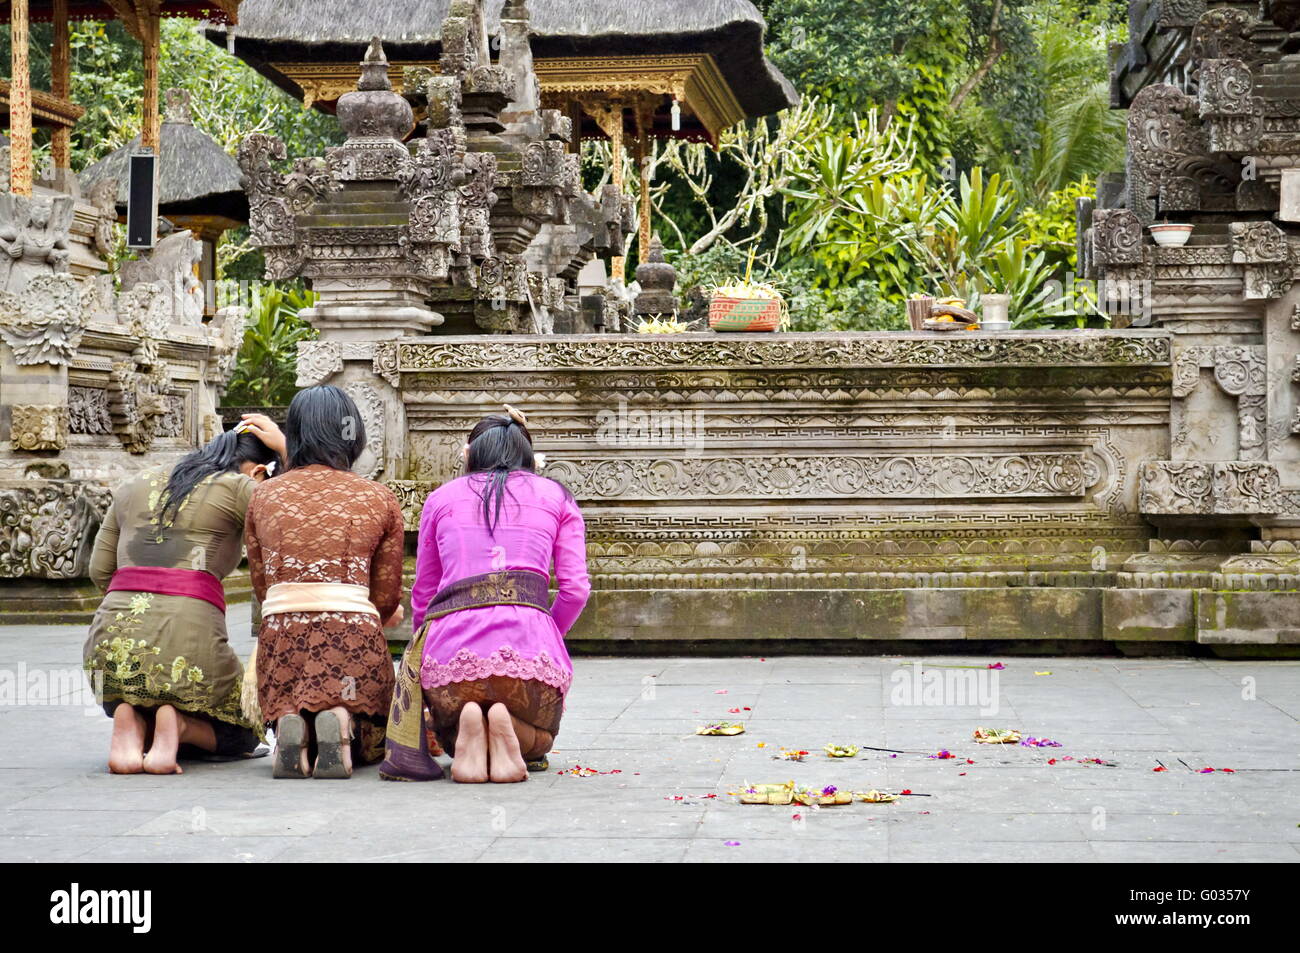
46,527
371,405
38,427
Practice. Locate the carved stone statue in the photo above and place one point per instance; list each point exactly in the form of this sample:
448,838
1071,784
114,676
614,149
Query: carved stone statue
33,237
171,265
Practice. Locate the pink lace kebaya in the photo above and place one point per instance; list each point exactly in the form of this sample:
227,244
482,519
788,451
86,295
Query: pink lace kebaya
540,526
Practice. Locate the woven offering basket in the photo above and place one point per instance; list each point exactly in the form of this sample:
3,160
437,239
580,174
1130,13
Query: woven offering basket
744,314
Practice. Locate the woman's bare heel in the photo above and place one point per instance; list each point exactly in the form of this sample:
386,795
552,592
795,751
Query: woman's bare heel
333,747
291,748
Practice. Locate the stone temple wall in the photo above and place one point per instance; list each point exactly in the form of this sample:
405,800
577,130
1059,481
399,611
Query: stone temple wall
1213,143
97,380
832,488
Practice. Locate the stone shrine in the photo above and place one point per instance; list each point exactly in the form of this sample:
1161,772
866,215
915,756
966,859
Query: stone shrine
1214,116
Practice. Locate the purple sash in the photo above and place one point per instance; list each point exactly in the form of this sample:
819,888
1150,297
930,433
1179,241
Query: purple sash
406,746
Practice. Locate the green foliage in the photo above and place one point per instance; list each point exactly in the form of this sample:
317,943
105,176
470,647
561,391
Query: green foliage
850,307
266,369
1053,225
712,267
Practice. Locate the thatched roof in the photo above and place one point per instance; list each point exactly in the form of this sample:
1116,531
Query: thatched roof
272,31
196,176
43,10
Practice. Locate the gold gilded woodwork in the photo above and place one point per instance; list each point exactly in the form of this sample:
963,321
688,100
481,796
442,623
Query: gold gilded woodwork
20,105
693,79
47,109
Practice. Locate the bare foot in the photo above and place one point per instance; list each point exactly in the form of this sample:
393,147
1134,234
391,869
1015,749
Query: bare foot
507,764
126,750
470,765
161,758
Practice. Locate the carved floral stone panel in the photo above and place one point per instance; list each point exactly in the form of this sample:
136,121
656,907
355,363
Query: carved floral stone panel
38,427
777,351
878,476
88,411
1196,488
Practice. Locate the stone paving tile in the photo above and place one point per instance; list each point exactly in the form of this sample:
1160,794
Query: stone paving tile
638,715
413,848
49,849
1138,852
951,852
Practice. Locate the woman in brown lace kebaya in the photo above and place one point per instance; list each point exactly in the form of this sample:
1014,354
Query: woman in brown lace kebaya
325,553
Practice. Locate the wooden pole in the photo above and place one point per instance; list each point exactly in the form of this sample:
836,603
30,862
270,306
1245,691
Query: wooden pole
644,125
20,102
618,263
150,39
61,83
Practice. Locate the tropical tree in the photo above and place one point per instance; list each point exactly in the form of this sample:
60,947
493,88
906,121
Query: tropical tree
1079,134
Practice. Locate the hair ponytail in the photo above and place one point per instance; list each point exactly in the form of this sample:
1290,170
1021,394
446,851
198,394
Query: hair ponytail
222,455
498,446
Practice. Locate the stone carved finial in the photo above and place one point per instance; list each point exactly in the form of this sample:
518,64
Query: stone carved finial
1262,247
373,110
657,279
178,107
374,68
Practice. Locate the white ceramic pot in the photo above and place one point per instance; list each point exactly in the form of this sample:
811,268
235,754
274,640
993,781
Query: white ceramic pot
996,308
1171,236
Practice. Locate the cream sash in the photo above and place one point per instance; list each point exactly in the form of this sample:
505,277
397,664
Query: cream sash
318,597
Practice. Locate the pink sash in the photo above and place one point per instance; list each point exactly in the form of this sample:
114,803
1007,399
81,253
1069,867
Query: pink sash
194,583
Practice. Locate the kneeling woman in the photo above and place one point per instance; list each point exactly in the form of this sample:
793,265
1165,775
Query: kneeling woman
158,640
325,553
495,669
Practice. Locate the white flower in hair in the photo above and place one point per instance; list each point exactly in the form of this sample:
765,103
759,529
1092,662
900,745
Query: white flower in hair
539,461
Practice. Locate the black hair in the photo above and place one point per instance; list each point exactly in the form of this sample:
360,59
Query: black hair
323,428
223,455
498,446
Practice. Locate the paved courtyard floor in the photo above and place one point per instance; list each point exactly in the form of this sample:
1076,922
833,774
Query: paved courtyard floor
663,791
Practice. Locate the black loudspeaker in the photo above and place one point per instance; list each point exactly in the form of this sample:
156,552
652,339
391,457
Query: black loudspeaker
142,202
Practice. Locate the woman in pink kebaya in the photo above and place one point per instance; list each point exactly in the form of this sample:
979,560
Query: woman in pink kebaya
494,669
